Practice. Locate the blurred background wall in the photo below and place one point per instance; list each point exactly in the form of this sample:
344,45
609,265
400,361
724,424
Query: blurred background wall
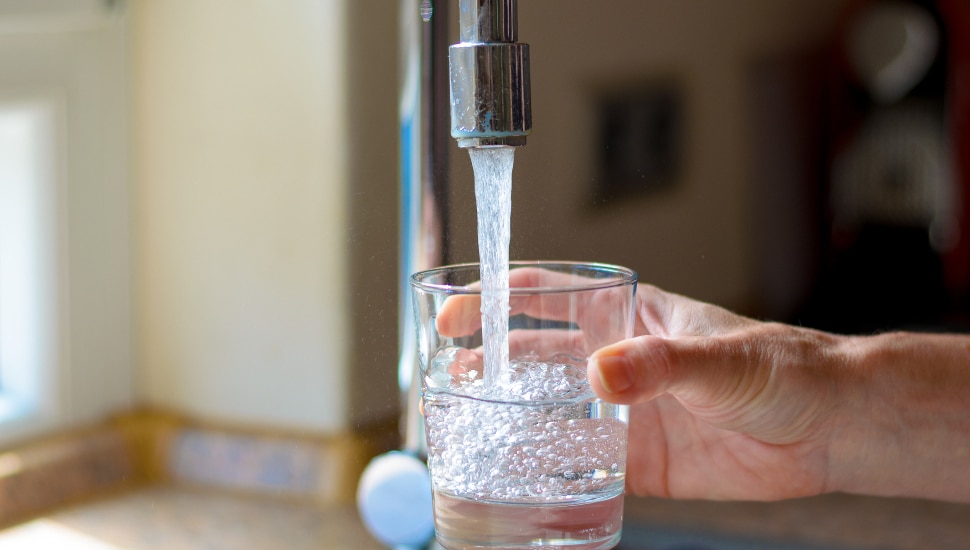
239,130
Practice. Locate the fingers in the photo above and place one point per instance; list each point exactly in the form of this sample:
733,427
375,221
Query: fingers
667,314
460,315
701,371
525,343
633,370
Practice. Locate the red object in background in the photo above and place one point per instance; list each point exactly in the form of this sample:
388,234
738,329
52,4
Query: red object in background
956,17
848,108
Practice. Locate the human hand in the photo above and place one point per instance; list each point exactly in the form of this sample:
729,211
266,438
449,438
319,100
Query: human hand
723,407
727,407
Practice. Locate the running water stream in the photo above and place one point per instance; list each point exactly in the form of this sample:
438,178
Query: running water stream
493,196
527,455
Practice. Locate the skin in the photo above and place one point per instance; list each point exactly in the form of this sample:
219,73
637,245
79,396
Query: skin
729,408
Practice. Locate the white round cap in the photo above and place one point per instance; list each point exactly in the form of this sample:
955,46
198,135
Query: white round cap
394,500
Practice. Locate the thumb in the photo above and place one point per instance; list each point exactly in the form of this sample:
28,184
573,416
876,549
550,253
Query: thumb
700,370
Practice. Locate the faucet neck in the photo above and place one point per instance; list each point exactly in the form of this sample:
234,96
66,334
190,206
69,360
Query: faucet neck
484,21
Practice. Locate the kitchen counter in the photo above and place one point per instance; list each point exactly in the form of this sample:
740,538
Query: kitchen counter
168,517
179,518
196,487
836,522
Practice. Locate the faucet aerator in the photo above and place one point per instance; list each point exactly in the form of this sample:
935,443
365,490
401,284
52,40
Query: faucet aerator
491,102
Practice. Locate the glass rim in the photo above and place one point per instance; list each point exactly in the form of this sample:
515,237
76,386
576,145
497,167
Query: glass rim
624,276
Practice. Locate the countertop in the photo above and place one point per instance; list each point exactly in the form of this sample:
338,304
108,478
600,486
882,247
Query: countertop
180,518
835,521
184,518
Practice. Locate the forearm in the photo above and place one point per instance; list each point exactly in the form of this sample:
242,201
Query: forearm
904,421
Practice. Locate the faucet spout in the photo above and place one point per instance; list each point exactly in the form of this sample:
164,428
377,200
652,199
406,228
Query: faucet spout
491,103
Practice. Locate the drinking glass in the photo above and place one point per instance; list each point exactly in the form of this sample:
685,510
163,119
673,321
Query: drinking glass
522,454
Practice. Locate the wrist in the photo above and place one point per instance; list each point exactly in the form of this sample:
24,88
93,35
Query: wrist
903,425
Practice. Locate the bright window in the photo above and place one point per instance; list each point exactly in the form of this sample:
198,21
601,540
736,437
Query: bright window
29,174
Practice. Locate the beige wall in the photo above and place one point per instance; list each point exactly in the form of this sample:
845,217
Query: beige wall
240,218
266,209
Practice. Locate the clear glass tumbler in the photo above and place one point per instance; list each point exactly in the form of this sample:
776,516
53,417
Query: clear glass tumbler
522,454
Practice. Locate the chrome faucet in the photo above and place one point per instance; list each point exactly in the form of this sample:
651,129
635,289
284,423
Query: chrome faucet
491,99
487,91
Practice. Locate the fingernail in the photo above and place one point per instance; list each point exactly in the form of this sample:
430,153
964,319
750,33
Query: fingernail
615,372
